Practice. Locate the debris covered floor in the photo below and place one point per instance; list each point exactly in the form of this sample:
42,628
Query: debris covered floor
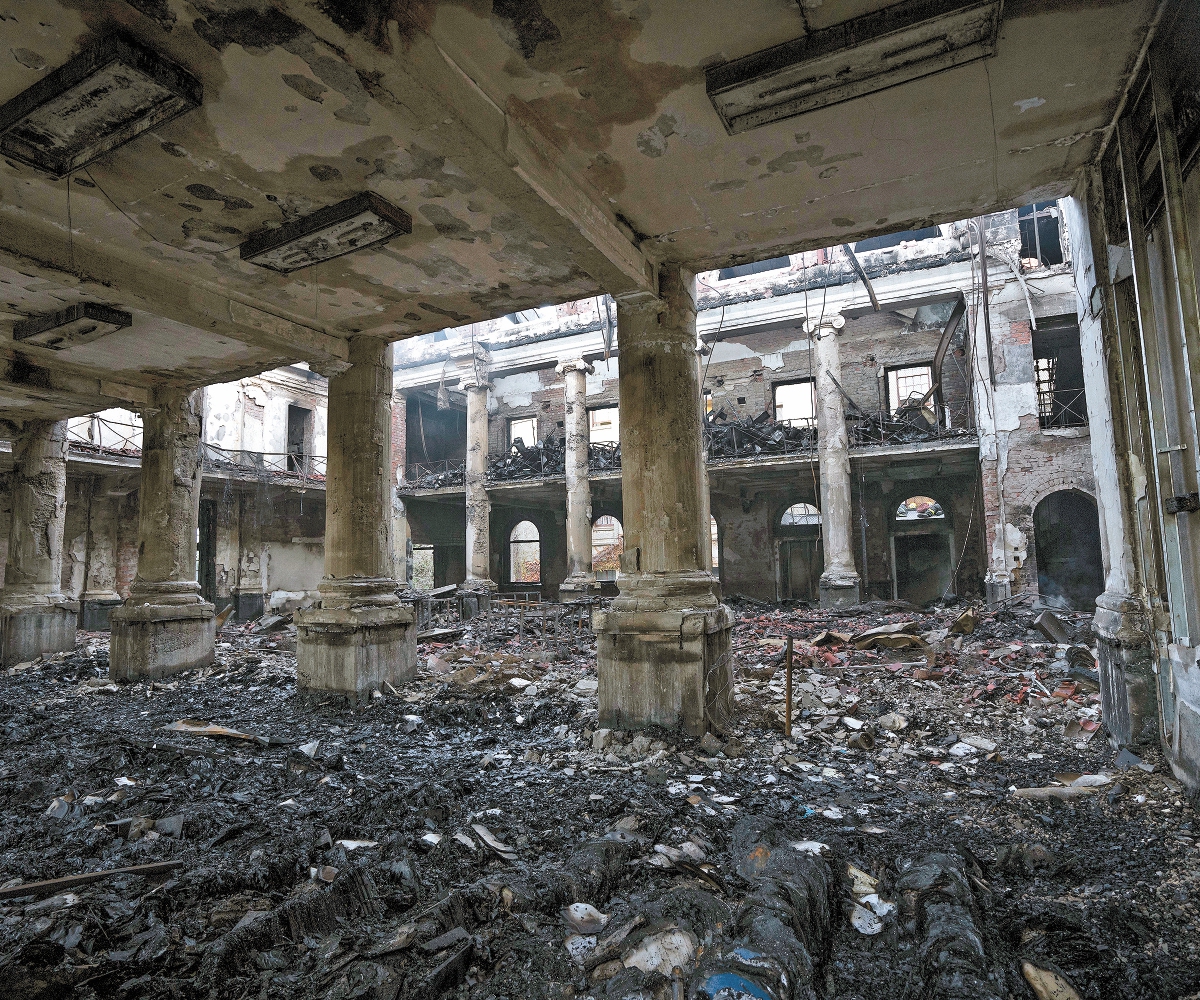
433,841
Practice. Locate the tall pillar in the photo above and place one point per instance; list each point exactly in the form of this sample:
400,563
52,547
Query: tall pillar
36,617
166,625
479,584
361,636
663,648
100,596
839,582
248,596
580,578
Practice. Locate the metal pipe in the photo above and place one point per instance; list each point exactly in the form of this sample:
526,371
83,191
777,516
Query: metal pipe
787,692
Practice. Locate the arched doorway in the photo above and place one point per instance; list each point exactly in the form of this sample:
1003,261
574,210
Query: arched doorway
608,542
922,551
525,554
1066,534
801,558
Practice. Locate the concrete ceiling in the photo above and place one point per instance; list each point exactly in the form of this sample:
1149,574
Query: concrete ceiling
545,152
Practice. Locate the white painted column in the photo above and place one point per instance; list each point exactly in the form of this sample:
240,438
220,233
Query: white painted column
839,580
479,507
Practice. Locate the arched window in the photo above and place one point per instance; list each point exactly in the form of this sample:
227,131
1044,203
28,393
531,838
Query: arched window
919,509
608,542
800,514
525,554
716,544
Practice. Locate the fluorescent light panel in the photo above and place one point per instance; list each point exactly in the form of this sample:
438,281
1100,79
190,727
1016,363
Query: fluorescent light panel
77,324
864,55
103,97
329,232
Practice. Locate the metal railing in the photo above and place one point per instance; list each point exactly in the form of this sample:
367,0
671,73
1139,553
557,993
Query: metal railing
435,475
604,457
273,465
102,434
1062,407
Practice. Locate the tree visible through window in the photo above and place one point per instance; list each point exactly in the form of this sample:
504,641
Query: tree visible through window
608,542
525,554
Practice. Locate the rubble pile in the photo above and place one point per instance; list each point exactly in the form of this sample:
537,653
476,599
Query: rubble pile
749,437
521,461
604,457
421,477
946,819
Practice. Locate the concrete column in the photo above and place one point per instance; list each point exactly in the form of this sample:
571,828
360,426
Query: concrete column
36,616
839,582
479,585
166,625
361,636
248,595
663,648
580,578
100,596
1123,641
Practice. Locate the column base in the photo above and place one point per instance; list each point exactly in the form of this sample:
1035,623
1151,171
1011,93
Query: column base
94,612
1128,692
665,668
350,652
575,588
154,640
27,632
248,606
475,596
841,591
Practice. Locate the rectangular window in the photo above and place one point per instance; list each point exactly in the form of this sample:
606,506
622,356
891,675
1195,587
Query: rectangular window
795,405
1041,243
1058,372
604,425
525,428
905,384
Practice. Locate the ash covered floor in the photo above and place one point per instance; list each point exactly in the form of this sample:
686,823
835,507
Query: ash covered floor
432,842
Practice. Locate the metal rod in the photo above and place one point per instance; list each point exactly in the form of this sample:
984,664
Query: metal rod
787,692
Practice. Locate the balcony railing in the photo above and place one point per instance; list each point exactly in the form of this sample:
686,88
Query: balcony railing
435,475
604,457
266,465
1062,407
756,437
101,434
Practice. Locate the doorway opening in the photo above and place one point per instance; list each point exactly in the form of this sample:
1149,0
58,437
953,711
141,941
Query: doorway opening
1066,532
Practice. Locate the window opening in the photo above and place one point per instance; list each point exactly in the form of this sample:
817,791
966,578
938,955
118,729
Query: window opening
919,509
525,429
895,239
604,425
525,551
1058,375
800,514
906,383
758,267
608,542
1041,240
714,536
795,404
298,421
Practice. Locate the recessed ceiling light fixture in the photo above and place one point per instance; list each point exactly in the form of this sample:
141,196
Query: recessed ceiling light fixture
105,96
78,324
867,54
329,232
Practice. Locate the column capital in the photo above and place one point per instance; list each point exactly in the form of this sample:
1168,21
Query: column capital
575,365
831,324
470,382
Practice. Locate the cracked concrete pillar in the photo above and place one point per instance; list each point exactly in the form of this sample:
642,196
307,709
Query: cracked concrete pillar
100,596
580,579
361,636
37,618
839,582
166,625
478,585
248,596
663,648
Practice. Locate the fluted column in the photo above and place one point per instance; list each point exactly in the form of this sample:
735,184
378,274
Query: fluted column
37,618
663,648
580,578
839,582
166,625
361,637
